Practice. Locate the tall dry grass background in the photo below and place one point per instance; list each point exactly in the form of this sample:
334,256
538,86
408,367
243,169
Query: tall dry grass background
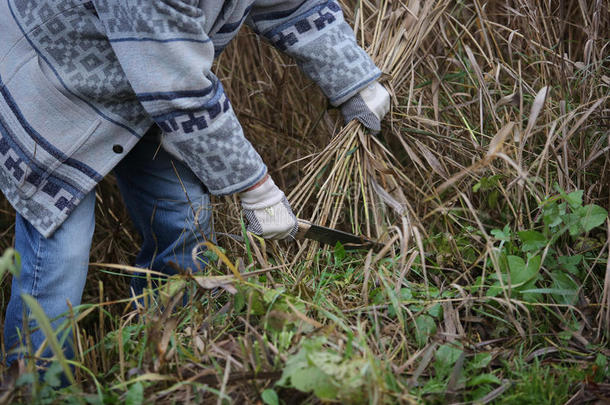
497,107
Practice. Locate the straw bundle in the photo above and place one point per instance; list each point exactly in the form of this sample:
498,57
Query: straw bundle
362,175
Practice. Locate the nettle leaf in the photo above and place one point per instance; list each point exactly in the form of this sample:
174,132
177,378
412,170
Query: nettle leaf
135,395
313,379
573,223
574,199
483,379
26,379
52,375
406,294
481,360
445,358
532,240
424,328
591,216
503,234
294,363
553,214
435,310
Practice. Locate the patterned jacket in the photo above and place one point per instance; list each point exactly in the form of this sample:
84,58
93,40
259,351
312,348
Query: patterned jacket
82,81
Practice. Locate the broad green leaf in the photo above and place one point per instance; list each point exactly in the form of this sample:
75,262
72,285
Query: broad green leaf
294,363
533,266
326,390
446,356
553,214
327,361
435,310
529,296
313,379
520,273
425,327
135,394
568,288
570,263
433,291
573,222
25,379
574,199
503,234
532,240
494,290
592,216
172,286
481,360
52,375
406,294
270,397
483,379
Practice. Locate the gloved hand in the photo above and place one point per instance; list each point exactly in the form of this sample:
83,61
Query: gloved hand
268,212
369,106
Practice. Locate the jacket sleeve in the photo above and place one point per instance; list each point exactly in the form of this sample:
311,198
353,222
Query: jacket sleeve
166,55
317,36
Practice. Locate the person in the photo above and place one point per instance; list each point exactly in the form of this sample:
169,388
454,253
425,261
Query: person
89,87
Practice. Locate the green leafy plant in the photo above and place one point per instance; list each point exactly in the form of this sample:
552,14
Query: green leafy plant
327,373
529,258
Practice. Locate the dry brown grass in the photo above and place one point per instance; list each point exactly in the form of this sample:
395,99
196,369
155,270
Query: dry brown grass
516,91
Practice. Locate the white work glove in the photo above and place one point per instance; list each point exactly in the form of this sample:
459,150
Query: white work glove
268,212
369,106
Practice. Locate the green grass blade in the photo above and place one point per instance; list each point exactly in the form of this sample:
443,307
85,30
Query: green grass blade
47,329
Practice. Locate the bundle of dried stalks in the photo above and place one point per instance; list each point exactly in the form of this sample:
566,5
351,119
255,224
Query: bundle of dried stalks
356,177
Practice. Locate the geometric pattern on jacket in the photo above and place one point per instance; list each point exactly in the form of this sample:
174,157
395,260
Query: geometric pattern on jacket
82,81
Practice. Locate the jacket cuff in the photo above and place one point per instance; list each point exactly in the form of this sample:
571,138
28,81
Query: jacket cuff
345,95
242,185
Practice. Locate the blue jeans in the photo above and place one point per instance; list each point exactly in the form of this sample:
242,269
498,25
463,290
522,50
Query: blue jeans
169,206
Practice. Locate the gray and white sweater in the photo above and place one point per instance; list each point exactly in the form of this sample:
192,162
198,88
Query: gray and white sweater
82,81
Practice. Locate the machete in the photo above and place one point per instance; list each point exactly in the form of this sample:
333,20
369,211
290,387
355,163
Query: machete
330,236
325,236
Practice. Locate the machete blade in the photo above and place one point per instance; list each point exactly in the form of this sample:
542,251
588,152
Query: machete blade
330,236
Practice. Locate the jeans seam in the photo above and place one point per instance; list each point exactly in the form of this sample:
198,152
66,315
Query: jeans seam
34,286
34,291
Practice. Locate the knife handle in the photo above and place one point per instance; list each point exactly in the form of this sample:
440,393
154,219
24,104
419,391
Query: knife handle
303,228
